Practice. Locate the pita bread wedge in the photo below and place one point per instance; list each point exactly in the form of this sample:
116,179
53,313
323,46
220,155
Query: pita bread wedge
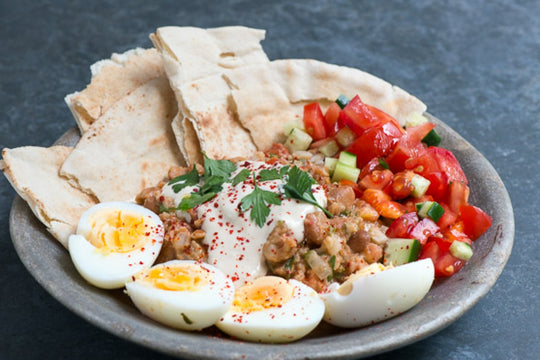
129,148
33,173
194,60
268,95
112,79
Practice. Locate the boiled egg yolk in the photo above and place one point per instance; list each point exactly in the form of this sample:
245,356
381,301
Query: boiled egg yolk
264,293
115,230
187,277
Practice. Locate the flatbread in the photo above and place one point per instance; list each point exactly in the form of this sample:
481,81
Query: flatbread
268,95
194,60
130,147
33,173
112,79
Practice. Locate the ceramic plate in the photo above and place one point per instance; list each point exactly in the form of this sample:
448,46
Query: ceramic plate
112,311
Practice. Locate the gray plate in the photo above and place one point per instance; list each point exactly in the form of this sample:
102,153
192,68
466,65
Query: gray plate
112,311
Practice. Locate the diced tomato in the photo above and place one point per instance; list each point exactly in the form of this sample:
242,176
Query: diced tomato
375,142
402,185
331,119
423,230
383,204
447,265
402,226
475,221
358,116
415,134
378,179
384,117
449,164
314,121
423,164
457,195
448,217
438,184
455,232
409,146
372,165
410,203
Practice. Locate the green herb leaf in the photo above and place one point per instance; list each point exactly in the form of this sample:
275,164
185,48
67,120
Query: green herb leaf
271,174
194,199
240,177
182,181
284,170
221,168
258,201
299,187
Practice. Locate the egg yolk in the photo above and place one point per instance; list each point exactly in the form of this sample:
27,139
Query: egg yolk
346,288
263,293
119,231
188,277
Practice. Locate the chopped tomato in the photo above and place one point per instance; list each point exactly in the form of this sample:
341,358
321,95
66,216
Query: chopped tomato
449,164
383,204
438,184
409,146
457,195
377,179
445,263
314,121
455,232
448,217
358,116
376,142
402,186
475,221
402,226
372,165
423,230
331,119
384,117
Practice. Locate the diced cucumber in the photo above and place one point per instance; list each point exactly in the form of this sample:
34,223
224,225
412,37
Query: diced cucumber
401,251
345,136
415,119
345,172
432,138
330,148
461,250
291,124
431,209
330,163
342,101
347,158
298,140
421,184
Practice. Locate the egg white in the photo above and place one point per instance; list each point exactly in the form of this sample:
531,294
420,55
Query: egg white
288,322
186,310
376,297
111,270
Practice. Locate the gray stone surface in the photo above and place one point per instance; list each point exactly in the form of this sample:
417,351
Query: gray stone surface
474,63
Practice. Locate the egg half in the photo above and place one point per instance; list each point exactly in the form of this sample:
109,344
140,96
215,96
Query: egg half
273,310
183,294
114,241
375,294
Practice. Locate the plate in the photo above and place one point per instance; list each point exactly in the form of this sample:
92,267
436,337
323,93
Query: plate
50,264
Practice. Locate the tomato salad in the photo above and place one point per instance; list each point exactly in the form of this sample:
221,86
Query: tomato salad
418,188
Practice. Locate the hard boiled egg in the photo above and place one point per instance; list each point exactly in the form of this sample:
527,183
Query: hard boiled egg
114,241
375,294
183,294
274,310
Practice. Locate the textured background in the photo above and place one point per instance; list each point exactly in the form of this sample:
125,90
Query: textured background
476,64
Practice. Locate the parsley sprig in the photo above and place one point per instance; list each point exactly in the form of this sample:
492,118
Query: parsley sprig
298,187
259,201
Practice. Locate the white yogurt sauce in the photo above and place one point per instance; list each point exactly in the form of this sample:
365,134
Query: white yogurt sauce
235,243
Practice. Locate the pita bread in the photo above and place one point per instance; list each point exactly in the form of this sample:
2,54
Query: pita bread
130,147
274,93
194,60
112,79
33,173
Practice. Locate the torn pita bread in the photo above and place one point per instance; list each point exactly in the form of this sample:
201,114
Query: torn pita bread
268,95
112,79
130,147
194,60
33,173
